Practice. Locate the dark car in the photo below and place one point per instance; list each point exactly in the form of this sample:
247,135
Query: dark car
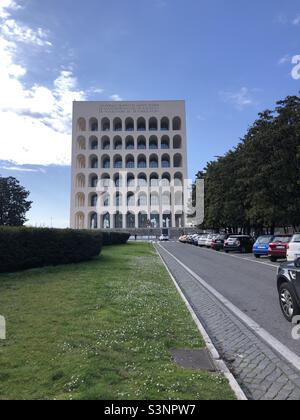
278,247
218,243
238,243
288,285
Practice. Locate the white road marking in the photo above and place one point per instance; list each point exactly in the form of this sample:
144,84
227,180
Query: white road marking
280,348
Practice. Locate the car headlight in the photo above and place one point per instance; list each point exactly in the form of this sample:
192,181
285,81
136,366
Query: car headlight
293,275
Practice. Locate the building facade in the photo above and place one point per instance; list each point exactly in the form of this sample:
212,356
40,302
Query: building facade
129,165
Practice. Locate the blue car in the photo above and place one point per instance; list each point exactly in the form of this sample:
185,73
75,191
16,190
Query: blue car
261,246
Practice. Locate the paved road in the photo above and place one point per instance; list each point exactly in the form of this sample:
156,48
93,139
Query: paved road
247,283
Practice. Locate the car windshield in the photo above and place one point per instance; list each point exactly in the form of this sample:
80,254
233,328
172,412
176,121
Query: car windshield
296,238
264,240
283,239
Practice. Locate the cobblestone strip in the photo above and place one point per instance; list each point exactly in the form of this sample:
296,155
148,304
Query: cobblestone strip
261,372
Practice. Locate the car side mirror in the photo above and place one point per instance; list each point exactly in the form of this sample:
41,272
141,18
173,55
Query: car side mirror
297,263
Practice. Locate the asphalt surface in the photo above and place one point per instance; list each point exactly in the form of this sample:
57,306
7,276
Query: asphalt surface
248,283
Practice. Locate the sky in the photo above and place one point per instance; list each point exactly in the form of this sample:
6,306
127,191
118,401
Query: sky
228,59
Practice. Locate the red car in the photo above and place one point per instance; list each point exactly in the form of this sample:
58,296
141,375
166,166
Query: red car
278,247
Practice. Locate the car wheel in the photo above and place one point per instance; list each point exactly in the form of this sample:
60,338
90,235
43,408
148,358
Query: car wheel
257,256
227,252
288,302
273,259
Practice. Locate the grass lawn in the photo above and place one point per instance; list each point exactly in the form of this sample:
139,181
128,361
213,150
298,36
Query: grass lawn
99,330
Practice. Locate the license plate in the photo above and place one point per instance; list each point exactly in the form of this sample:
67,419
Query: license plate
280,247
261,247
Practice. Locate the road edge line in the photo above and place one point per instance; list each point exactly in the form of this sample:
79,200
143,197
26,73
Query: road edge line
220,363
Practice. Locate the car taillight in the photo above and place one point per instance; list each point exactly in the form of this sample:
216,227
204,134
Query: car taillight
238,243
225,242
287,246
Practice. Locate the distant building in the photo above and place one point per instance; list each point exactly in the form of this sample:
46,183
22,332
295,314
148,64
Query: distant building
129,163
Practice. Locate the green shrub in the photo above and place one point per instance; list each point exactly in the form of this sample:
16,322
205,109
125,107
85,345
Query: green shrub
23,248
114,238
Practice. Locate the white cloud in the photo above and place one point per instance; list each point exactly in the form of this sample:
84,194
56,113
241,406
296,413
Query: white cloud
285,59
36,120
296,21
116,98
22,169
240,99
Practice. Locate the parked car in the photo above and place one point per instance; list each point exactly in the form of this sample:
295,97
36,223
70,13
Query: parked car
218,243
195,239
288,285
238,243
209,240
202,240
164,238
278,247
189,239
261,246
183,239
293,249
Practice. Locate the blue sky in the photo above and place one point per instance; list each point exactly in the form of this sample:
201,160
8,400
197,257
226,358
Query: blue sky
229,59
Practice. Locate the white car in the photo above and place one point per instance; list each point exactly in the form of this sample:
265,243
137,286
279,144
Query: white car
209,240
202,240
164,238
293,251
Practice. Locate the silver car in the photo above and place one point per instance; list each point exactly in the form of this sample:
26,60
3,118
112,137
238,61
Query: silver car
202,240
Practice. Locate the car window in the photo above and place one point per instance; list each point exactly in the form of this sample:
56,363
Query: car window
282,239
264,240
296,238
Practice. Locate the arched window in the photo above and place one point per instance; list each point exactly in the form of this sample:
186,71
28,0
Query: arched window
130,181
106,162
118,220
93,162
130,200
105,181
142,162
129,124
165,124
153,161
93,181
93,221
142,200
129,143
166,199
105,143
177,161
81,124
106,200
130,220
166,180
141,143
93,200
118,124
81,145
178,180
165,161
141,124
154,219
118,162
165,142
106,221
142,180
117,143
154,180
80,200
178,198
80,181
176,124
93,143
93,124
79,221
177,142
153,143
179,219
80,164
129,162
143,220
105,124
153,124
167,220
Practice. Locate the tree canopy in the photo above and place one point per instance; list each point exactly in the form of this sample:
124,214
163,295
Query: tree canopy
13,202
257,184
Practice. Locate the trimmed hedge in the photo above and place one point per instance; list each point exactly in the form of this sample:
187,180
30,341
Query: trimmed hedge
23,248
114,238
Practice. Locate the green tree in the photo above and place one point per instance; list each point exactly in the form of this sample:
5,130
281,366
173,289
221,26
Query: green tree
13,202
